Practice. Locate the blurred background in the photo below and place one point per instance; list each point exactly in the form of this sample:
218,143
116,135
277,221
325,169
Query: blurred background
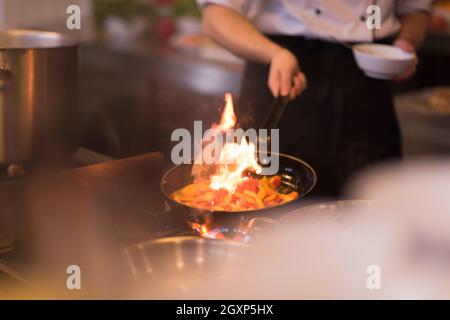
145,69
140,59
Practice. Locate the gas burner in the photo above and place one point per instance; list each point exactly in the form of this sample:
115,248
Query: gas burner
239,234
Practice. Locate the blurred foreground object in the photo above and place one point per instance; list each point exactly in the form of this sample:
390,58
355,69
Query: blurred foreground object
317,254
417,192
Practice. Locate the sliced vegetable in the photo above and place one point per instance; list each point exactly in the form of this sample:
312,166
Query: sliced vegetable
251,194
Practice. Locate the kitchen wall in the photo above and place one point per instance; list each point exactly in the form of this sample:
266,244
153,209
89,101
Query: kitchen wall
44,14
2,14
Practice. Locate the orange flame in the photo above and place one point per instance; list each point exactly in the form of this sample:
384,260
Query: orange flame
204,232
228,118
235,158
239,233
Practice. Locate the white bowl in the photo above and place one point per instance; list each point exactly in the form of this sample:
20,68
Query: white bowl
382,61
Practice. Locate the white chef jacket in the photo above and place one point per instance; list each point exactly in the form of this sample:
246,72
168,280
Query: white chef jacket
342,19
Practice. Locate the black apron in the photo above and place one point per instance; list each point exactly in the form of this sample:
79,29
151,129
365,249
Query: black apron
342,123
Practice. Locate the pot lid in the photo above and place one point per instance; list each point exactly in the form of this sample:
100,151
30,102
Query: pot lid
33,39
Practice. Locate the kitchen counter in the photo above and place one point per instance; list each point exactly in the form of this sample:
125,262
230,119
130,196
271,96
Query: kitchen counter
87,216
186,69
132,96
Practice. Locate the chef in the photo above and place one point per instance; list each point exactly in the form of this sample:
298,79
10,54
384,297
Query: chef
344,121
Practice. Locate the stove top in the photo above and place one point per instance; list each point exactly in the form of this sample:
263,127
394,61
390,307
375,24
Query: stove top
76,211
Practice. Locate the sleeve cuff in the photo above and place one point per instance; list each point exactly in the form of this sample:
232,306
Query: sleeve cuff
238,5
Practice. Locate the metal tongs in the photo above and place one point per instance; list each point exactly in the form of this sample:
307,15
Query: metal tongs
274,116
271,121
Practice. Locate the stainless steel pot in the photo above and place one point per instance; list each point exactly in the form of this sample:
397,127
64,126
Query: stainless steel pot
38,95
176,267
190,256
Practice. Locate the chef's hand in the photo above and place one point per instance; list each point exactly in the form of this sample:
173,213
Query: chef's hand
285,77
405,45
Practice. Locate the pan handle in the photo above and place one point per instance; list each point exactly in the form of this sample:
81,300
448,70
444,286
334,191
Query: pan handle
272,119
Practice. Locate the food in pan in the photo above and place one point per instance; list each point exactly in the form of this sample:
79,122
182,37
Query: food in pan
234,183
251,194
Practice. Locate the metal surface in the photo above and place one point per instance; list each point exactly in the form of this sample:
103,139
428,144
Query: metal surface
182,263
125,196
38,95
54,218
331,212
335,210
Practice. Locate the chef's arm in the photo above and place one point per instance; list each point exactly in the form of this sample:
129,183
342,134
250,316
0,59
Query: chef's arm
237,34
414,28
411,37
234,32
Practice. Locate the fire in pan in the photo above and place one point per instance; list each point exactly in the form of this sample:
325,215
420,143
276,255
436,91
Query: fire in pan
237,190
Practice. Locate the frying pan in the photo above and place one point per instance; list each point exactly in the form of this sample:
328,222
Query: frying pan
296,175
